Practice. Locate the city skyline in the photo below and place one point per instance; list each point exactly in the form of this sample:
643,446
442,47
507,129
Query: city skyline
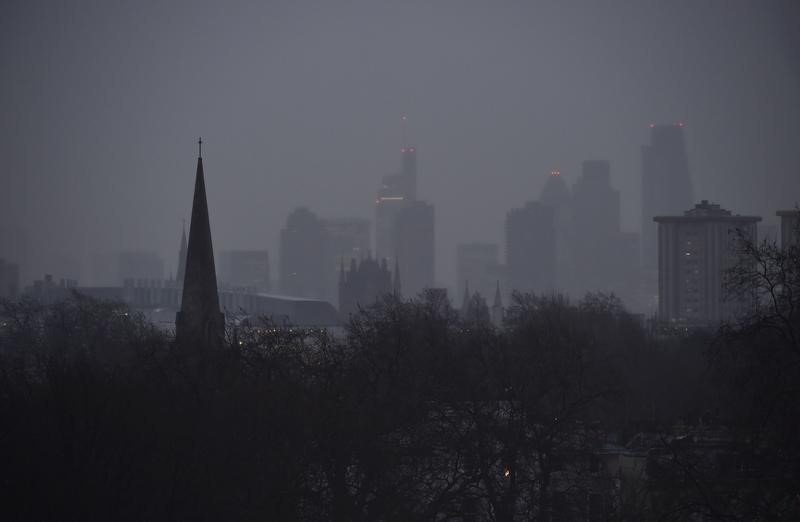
95,135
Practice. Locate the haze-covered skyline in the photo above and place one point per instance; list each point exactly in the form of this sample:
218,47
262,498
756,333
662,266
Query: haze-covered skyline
301,105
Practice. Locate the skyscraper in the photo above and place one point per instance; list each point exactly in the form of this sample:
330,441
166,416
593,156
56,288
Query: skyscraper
396,192
531,248
666,184
404,226
200,323
415,245
595,227
302,255
694,250
557,196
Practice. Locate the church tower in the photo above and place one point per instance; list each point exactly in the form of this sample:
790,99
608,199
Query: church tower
200,322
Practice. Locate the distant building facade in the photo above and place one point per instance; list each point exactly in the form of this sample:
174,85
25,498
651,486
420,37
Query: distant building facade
245,269
531,248
302,255
694,251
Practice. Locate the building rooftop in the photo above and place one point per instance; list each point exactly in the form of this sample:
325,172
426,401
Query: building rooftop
706,211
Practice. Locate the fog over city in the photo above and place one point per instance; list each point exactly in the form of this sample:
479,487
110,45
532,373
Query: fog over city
300,104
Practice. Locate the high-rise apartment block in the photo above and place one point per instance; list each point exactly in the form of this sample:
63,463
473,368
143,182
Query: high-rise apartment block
694,252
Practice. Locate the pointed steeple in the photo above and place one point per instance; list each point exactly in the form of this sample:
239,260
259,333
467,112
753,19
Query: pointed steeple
341,272
498,301
200,322
182,257
465,301
497,308
396,279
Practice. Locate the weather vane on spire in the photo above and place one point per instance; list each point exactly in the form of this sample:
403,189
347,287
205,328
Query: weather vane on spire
199,147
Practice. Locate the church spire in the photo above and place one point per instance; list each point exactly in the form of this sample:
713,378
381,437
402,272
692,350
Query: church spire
465,301
200,321
498,301
182,257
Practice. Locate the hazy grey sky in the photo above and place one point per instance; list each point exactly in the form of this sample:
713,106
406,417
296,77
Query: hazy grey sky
300,103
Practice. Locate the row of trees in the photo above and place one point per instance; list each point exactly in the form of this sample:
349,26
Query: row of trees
413,414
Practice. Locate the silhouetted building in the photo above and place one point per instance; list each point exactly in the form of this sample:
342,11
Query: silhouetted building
47,291
397,193
531,248
139,264
790,227
409,172
556,195
245,269
414,246
200,323
694,252
666,184
181,258
363,284
346,239
9,279
302,263
595,226
477,263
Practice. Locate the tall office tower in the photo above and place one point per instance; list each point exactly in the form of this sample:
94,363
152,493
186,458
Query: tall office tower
409,172
531,248
139,265
694,251
302,256
477,265
414,246
390,201
346,239
556,195
790,227
181,271
666,184
200,323
397,192
595,227
245,269
365,283
9,279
